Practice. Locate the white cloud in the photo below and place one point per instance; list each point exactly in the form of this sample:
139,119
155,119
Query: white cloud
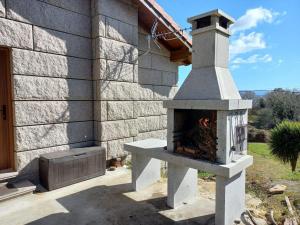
280,61
253,17
253,59
246,43
234,67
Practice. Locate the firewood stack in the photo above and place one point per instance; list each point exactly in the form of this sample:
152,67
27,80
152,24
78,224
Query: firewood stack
200,142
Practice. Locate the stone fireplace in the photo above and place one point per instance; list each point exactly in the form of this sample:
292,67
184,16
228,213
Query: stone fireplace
207,119
195,133
207,128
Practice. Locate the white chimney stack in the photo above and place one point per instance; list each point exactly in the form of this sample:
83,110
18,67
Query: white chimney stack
210,77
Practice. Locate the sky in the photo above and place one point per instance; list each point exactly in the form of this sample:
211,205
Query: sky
265,42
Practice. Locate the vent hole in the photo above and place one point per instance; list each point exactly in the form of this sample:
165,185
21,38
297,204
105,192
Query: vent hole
223,22
203,22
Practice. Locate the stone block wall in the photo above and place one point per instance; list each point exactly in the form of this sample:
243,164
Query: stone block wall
128,89
78,79
115,41
51,49
159,76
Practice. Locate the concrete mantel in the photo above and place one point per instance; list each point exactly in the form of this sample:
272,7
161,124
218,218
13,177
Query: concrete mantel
155,148
230,104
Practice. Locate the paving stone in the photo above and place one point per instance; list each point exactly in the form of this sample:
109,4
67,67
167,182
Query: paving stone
145,92
2,8
42,136
100,109
112,90
160,134
111,130
115,148
146,124
119,71
150,76
163,122
118,110
79,6
44,88
49,16
164,92
15,34
163,63
120,31
148,108
51,41
43,64
169,78
114,50
98,23
118,10
43,112
99,69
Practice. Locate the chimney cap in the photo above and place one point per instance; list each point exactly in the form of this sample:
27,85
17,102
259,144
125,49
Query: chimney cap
216,12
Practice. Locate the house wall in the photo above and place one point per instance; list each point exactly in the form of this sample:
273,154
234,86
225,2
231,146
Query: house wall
77,77
128,89
51,51
159,76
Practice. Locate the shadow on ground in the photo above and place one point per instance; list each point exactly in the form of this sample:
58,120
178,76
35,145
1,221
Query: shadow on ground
109,205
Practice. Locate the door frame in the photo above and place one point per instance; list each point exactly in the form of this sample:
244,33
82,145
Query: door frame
10,111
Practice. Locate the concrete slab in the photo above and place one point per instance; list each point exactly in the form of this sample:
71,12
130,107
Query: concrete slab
155,148
106,200
231,104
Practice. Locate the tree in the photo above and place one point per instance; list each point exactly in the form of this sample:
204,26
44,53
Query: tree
285,142
264,119
285,104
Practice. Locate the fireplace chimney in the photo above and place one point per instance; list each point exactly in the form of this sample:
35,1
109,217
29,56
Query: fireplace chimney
210,78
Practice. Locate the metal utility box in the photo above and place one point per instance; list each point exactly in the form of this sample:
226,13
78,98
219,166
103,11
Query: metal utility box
59,169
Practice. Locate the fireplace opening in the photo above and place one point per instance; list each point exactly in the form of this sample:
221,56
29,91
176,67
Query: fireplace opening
195,133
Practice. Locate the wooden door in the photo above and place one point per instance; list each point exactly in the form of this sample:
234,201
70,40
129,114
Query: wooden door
6,144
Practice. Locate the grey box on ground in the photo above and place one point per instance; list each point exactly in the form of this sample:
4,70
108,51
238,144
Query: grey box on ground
60,169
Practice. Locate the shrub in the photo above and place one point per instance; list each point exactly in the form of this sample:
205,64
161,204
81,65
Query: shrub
285,142
258,135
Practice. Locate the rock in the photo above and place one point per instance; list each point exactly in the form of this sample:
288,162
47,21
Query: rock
252,202
290,221
277,189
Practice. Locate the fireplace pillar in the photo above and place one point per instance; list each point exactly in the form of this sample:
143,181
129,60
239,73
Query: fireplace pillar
182,185
230,198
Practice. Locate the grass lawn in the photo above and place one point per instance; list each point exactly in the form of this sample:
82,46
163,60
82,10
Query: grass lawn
268,170
267,164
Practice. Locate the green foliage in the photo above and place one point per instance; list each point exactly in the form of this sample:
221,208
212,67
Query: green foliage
258,135
285,105
264,119
274,107
285,142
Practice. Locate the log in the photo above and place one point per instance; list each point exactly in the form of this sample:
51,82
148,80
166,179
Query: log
293,220
189,150
272,218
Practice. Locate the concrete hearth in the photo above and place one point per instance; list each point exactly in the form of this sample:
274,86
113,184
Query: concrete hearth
206,127
182,177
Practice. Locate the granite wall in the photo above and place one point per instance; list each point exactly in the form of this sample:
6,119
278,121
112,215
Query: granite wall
51,51
78,79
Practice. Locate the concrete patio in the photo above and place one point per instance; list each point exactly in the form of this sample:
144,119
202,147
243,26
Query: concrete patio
108,200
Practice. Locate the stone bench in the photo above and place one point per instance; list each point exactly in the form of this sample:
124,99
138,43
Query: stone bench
183,177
